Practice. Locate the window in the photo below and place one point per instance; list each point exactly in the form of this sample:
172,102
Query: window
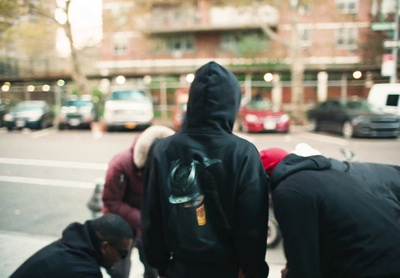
305,37
228,42
392,100
347,6
183,43
347,37
120,46
129,95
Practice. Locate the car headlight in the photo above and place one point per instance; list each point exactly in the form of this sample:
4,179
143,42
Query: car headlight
8,117
361,120
251,118
285,118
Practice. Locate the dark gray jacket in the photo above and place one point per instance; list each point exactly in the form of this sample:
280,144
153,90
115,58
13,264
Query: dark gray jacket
340,221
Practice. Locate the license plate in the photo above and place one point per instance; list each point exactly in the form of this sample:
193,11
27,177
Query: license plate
269,125
20,123
74,122
130,125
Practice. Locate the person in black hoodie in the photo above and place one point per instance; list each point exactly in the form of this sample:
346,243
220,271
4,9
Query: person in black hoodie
205,200
338,219
82,249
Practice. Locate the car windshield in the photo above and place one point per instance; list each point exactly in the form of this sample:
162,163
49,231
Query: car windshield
358,105
260,105
79,103
129,95
28,106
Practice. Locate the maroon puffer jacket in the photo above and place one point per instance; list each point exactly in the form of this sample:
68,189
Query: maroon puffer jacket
123,188
122,191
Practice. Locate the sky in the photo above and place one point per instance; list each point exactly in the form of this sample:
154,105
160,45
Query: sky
86,22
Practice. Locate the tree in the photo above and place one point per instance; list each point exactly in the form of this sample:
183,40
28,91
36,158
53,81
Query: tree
78,76
18,14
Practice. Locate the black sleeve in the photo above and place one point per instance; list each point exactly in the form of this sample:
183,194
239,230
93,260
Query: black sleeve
297,216
153,237
252,216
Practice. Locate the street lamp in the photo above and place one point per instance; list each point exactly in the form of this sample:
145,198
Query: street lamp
6,87
30,88
357,74
147,79
60,82
190,77
45,88
268,77
120,79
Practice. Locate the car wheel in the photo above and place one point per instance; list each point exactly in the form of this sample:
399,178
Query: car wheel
313,125
274,235
347,130
42,124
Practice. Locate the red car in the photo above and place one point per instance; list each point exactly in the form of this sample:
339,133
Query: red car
261,115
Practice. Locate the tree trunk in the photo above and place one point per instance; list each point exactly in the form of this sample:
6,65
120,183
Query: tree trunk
77,74
297,73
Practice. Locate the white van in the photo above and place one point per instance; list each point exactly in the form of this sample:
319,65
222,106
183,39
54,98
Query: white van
385,98
128,108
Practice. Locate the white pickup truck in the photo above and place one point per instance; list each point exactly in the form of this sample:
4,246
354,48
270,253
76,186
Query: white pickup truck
128,109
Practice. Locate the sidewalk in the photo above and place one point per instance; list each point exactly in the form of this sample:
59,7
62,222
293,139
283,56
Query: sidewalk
15,248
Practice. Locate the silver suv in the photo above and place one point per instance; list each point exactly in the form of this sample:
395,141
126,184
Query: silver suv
128,109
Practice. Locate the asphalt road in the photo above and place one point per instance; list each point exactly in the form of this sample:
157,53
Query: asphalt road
47,177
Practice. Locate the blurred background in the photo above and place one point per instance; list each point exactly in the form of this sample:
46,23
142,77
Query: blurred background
293,53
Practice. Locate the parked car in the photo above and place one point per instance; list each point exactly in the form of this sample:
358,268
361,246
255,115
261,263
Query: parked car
128,109
3,111
78,112
261,115
35,114
353,117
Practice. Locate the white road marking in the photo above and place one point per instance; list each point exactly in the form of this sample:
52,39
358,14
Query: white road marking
325,138
48,182
43,132
54,163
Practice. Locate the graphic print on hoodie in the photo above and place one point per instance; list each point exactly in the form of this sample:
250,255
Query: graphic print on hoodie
191,186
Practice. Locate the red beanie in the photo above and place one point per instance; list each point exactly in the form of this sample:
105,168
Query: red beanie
271,157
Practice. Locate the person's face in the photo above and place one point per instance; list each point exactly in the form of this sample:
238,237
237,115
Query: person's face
112,253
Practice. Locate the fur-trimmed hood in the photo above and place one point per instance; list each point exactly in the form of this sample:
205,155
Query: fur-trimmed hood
146,138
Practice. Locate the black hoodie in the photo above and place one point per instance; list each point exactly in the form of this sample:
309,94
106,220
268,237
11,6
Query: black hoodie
335,221
230,230
76,255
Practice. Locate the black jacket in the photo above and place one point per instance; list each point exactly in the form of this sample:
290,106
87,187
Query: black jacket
227,169
340,221
76,254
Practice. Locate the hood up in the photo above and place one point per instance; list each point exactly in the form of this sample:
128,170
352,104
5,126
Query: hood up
294,163
82,237
214,99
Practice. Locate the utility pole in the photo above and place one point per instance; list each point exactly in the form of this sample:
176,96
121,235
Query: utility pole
393,77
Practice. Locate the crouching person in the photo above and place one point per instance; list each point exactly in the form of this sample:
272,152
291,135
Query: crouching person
81,251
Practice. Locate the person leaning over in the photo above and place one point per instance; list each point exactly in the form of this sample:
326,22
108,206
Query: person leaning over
122,192
205,198
337,219
81,251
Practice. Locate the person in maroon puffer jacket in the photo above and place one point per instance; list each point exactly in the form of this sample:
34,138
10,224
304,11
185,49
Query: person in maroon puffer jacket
122,191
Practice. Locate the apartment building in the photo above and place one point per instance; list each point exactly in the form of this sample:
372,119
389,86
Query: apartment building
334,39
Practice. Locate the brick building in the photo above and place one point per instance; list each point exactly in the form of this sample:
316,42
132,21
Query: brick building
334,39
